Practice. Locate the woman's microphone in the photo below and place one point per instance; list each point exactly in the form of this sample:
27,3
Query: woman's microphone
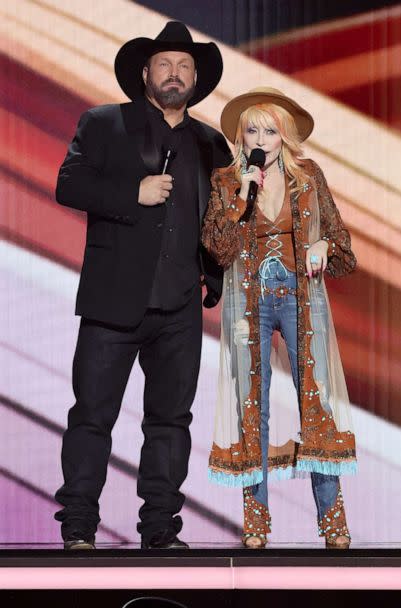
257,158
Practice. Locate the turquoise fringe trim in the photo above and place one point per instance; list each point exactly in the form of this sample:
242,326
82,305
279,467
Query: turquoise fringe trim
327,468
303,468
235,481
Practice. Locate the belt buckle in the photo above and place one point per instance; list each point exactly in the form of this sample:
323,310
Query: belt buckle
281,291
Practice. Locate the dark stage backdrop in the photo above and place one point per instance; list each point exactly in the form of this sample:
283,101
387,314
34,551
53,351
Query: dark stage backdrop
341,60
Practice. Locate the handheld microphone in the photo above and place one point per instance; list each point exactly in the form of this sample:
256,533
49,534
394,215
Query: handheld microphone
169,156
257,158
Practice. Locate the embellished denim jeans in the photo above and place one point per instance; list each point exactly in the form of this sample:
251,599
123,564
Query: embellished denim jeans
279,312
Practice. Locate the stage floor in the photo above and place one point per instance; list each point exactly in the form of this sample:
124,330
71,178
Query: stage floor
118,566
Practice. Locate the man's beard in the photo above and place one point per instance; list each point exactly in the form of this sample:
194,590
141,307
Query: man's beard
173,97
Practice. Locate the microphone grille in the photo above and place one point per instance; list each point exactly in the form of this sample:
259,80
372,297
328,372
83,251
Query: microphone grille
257,157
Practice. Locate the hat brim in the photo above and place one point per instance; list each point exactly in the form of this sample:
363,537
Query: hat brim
133,55
233,110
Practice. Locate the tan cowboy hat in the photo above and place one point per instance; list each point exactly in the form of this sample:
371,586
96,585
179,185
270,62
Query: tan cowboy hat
233,110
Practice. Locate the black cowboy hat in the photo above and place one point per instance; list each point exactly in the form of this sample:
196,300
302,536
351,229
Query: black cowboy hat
133,55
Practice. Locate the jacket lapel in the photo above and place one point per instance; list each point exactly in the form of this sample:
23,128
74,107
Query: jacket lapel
136,125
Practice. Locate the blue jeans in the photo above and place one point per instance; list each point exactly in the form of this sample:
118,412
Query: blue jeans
280,313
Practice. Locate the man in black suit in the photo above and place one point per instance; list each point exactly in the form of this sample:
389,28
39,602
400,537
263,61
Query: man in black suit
141,172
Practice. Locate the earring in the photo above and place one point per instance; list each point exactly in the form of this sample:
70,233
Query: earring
281,162
243,162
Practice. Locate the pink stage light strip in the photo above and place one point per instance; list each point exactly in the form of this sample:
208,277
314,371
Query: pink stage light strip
201,578
317,578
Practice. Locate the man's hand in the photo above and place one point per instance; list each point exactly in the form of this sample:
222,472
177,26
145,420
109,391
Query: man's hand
154,189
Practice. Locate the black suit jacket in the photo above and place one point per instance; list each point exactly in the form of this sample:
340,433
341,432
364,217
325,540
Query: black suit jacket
109,155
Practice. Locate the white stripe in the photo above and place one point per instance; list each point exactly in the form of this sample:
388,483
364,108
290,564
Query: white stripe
36,269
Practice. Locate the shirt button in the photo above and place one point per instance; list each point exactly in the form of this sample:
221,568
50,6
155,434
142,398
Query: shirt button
165,256
170,230
159,225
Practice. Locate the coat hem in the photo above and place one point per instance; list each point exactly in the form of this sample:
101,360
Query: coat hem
229,480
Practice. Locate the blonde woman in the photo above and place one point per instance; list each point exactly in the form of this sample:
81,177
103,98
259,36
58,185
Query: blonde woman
274,252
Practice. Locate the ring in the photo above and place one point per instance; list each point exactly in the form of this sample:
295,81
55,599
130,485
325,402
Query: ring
251,169
314,259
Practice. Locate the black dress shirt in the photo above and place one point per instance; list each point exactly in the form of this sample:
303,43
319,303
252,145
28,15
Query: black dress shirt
178,270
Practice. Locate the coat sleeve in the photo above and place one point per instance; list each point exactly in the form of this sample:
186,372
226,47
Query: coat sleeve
83,183
221,230
340,258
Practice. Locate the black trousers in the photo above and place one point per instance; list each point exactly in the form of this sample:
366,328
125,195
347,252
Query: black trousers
169,347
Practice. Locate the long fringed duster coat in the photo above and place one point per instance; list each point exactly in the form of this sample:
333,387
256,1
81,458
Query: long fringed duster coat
324,442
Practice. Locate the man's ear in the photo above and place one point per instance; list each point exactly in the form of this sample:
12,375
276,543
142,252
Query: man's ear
145,72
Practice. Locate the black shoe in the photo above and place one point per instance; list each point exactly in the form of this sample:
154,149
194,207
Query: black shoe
78,543
164,539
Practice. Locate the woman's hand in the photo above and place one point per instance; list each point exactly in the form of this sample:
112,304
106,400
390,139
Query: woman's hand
316,258
254,174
